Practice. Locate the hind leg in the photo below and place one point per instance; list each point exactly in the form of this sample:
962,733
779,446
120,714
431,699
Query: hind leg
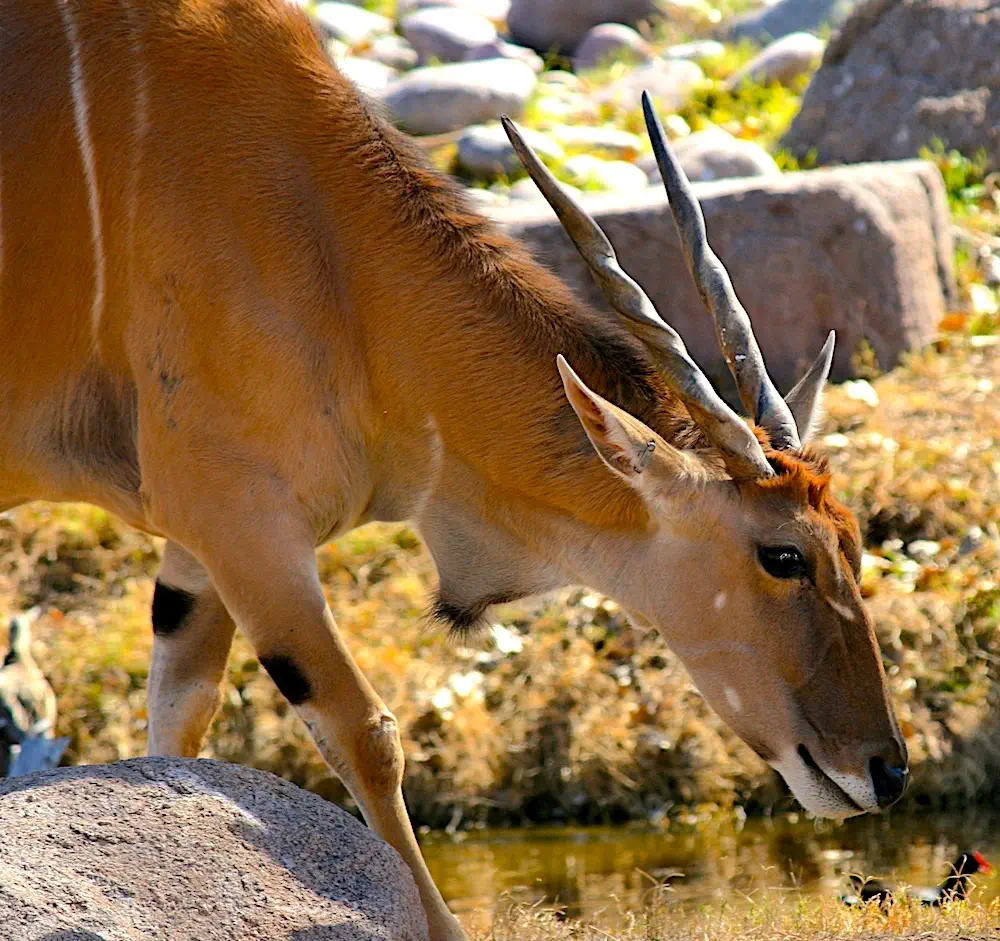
192,636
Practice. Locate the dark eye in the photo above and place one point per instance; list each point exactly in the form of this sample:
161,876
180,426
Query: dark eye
782,561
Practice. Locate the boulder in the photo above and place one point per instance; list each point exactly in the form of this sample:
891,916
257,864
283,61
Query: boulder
447,34
865,250
669,81
787,16
783,61
193,850
610,41
901,73
717,155
350,24
437,99
561,24
484,150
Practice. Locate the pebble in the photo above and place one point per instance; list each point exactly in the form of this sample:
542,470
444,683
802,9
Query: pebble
484,150
446,33
350,24
607,141
434,100
589,172
610,42
783,61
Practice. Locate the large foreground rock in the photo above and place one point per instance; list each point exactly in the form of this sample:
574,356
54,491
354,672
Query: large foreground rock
901,73
191,850
862,250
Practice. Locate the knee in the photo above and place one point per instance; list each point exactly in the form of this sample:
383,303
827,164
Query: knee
380,753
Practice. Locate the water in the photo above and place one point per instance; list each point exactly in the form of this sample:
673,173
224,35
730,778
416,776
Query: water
599,873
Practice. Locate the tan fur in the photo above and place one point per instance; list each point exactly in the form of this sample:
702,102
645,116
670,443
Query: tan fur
301,327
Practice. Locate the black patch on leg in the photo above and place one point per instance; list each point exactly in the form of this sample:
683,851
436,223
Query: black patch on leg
290,680
171,606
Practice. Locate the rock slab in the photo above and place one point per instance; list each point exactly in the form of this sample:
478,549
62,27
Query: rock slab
193,850
862,250
900,73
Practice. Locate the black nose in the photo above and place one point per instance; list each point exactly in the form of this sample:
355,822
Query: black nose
889,780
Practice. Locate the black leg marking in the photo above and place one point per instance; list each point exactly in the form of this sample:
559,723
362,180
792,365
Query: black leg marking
290,680
171,606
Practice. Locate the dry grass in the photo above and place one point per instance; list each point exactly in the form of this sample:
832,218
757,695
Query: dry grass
772,919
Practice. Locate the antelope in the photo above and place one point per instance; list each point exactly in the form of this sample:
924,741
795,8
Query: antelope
242,312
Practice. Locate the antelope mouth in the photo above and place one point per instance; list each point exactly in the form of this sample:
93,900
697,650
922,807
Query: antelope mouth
818,791
810,763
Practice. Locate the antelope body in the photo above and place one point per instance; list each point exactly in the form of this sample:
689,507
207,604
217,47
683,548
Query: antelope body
239,310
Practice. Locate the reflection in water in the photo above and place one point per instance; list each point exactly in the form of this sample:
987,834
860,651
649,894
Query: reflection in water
607,871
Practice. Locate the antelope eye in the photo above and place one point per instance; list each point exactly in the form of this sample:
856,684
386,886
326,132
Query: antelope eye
782,561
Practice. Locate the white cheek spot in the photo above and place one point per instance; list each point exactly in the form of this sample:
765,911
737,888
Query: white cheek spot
733,698
846,613
720,601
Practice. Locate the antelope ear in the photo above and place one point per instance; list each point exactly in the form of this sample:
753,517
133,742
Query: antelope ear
805,401
624,443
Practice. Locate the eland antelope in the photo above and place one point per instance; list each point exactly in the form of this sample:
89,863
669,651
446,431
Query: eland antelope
241,311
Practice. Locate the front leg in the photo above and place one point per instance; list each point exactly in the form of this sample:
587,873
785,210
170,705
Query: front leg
192,634
270,585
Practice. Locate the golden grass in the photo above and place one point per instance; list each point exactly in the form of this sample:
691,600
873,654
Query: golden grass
772,918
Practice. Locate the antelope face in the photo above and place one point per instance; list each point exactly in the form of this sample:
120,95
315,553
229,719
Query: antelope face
777,639
754,585
751,573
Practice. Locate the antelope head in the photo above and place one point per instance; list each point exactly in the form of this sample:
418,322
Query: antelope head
757,565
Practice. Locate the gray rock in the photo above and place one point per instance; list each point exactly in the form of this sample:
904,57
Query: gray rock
501,49
787,16
610,41
669,81
561,24
448,97
193,851
783,61
526,189
484,150
608,141
696,51
350,24
589,172
716,155
393,51
901,73
370,76
495,10
864,250
483,199
446,33
990,267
